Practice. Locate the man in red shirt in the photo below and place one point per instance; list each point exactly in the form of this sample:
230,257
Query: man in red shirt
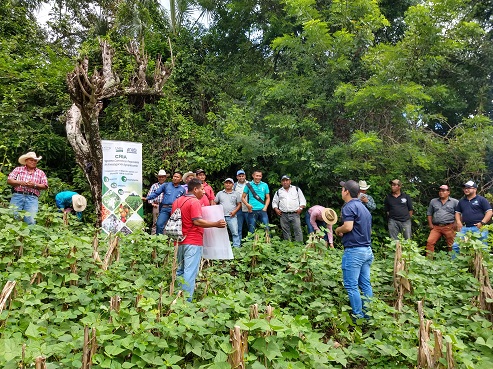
190,249
208,198
27,182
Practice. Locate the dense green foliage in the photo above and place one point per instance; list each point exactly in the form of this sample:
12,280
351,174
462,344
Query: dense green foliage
311,325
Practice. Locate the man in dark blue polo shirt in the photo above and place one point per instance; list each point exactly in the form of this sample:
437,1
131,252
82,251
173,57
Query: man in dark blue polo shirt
472,213
358,255
172,190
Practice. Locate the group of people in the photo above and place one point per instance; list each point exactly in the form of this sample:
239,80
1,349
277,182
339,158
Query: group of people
447,217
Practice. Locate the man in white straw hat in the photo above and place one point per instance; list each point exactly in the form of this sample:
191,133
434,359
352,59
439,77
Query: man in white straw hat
358,256
161,178
27,182
70,200
318,216
187,177
366,199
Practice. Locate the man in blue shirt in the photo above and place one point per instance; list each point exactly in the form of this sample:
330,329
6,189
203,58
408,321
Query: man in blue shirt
171,190
472,213
358,256
256,198
70,200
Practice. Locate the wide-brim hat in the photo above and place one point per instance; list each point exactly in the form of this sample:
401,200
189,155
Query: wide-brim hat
363,185
79,202
188,174
29,155
329,216
162,172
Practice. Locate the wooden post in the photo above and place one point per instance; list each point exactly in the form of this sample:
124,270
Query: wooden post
425,359
4,296
89,349
239,342
115,304
40,362
111,253
254,311
401,284
174,268
95,245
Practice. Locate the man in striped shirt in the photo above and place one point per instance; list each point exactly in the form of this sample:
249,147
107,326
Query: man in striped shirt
27,182
161,177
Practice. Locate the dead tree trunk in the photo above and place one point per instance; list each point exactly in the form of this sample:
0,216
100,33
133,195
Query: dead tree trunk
88,92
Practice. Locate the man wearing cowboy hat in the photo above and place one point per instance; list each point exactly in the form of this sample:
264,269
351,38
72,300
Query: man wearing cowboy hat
161,178
68,200
358,256
472,213
318,216
187,177
27,182
366,199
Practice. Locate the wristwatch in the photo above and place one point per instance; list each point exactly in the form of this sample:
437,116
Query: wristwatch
483,223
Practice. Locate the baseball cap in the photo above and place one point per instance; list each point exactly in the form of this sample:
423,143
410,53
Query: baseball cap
241,171
444,187
285,177
198,171
351,186
229,180
396,181
470,184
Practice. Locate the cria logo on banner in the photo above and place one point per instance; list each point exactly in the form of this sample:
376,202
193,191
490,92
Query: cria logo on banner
119,149
132,150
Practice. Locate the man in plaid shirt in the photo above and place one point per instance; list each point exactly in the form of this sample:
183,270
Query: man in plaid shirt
27,182
161,178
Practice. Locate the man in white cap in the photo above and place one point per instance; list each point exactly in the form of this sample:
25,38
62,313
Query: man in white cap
242,215
358,255
27,182
366,199
161,178
318,216
472,213
70,200
231,202
288,202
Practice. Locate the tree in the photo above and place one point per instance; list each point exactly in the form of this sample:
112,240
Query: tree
88,94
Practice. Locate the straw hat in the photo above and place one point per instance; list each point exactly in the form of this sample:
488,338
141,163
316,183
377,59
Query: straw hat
186,175
79,202
162,172
29,155
329,216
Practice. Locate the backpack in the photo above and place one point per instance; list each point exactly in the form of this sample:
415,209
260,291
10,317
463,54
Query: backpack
173,228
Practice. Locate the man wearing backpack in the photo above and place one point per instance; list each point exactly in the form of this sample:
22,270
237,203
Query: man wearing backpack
256,197
288,203
190,249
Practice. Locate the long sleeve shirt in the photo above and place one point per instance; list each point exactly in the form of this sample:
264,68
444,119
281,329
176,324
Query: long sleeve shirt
316,215
170,193
290,200
158,199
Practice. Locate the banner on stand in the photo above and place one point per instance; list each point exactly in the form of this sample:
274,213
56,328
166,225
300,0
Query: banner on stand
122,187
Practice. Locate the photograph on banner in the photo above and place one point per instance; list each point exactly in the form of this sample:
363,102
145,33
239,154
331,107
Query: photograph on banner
216,240
122,187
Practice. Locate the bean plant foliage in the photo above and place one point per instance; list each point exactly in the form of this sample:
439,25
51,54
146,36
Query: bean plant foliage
60,290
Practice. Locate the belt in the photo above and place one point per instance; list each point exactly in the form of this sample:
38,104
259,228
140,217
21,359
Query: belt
26,193
442,224
470,225
166,205
289,212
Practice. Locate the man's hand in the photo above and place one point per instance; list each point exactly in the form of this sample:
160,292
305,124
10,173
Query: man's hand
221,223
278,212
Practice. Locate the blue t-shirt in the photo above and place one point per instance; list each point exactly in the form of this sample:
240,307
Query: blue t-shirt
171,193
64,200
261,189
473,210
360,236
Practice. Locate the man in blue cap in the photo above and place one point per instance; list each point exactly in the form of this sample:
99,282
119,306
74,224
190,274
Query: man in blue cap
242,215
472,213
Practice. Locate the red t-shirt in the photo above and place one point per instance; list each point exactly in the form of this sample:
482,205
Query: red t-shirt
191,209
208,195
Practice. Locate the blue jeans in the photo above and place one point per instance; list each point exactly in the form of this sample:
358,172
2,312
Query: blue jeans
320,223
188,260
461,235
27,203
257,215
233,228
356,264
162,219
242,218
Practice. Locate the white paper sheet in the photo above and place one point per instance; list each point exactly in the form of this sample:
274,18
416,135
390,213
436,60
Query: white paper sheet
216,240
